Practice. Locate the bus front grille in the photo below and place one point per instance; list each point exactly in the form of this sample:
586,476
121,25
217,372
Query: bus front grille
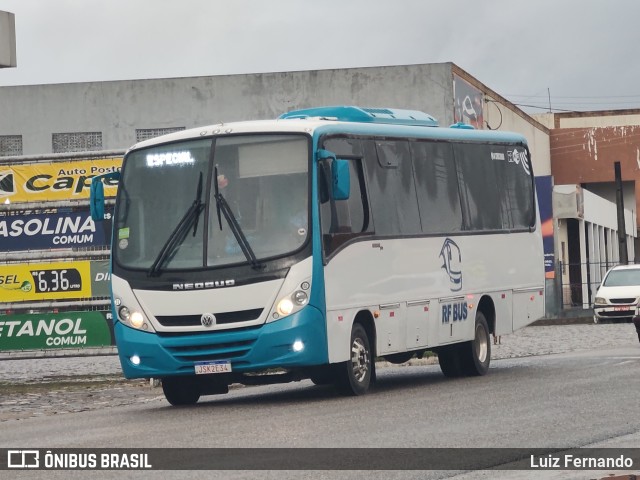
223,318
214,351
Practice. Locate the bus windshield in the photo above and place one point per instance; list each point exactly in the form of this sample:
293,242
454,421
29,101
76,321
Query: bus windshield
171,214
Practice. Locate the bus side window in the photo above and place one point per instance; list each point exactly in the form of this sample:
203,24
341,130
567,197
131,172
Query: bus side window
343,220
481,200
437,187
392,187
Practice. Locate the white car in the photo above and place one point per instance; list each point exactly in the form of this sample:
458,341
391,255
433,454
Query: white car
618,295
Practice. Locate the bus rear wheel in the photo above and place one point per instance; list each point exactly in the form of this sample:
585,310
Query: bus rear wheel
477,353
450,361
469,358
180,390
353,377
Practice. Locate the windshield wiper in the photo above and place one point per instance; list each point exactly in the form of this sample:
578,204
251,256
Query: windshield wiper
223,207
179,233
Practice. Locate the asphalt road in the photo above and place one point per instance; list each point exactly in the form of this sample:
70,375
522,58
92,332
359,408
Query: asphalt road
569,400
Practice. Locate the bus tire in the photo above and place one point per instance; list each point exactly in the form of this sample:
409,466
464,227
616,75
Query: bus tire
450,361
477,353
353,377
180,391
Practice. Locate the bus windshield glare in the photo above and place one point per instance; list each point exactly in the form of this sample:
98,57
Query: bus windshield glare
172,215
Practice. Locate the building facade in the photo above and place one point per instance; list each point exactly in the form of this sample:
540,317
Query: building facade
45,119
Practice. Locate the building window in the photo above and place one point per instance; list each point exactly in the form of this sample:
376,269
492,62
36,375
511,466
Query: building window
147,133
10,145
77,142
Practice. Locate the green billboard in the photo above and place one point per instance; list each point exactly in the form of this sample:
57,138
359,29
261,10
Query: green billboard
44,331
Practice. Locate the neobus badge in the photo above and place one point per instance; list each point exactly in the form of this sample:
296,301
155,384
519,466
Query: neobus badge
204,285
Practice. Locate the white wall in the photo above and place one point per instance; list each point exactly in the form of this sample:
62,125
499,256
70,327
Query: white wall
118,108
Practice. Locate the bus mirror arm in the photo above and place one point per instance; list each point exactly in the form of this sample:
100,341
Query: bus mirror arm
96,200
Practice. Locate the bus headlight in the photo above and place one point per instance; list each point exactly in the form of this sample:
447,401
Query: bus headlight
124,313
285,307
300,298
600,301
136,320
292,302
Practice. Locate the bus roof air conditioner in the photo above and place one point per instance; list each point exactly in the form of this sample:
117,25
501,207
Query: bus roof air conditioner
391,116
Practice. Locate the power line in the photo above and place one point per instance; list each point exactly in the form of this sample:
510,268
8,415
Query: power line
542,108
568,96
592,103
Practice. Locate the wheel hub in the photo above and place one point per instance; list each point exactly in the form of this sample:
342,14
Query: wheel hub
359,360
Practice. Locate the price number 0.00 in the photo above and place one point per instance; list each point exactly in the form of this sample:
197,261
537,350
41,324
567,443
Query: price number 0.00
68,280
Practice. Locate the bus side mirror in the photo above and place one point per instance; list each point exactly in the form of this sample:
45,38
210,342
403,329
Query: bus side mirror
340,179
96,200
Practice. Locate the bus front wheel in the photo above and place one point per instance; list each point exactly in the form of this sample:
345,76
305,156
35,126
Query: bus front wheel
180,391
353,377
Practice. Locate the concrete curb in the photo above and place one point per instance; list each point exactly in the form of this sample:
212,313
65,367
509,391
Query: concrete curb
563,321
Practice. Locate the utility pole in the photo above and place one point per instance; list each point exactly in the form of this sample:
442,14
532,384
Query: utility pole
622,232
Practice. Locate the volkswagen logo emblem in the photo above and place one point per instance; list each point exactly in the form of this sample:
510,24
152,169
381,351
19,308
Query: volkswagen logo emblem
208,319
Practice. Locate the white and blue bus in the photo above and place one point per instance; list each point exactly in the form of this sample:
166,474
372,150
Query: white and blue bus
308,246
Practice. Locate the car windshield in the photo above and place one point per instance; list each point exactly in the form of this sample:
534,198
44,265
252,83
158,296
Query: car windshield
623,278
167,219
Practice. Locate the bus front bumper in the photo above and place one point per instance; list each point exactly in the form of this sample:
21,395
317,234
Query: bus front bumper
271,345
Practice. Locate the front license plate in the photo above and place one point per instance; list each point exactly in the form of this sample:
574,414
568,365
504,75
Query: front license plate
207,368
621,309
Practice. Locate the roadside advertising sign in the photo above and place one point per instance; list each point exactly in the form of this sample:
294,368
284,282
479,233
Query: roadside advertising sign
45,281
41,182
100,278
52,228
55,331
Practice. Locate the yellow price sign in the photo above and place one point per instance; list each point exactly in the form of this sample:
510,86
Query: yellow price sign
45,281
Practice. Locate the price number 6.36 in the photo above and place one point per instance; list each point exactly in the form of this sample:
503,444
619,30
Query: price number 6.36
58,280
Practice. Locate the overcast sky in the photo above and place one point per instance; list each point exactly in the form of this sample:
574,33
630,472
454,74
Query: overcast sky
584,52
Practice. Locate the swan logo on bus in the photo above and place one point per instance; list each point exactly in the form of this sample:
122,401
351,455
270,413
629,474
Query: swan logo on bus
452,264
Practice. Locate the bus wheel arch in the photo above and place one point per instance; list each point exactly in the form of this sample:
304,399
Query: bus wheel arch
488,309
